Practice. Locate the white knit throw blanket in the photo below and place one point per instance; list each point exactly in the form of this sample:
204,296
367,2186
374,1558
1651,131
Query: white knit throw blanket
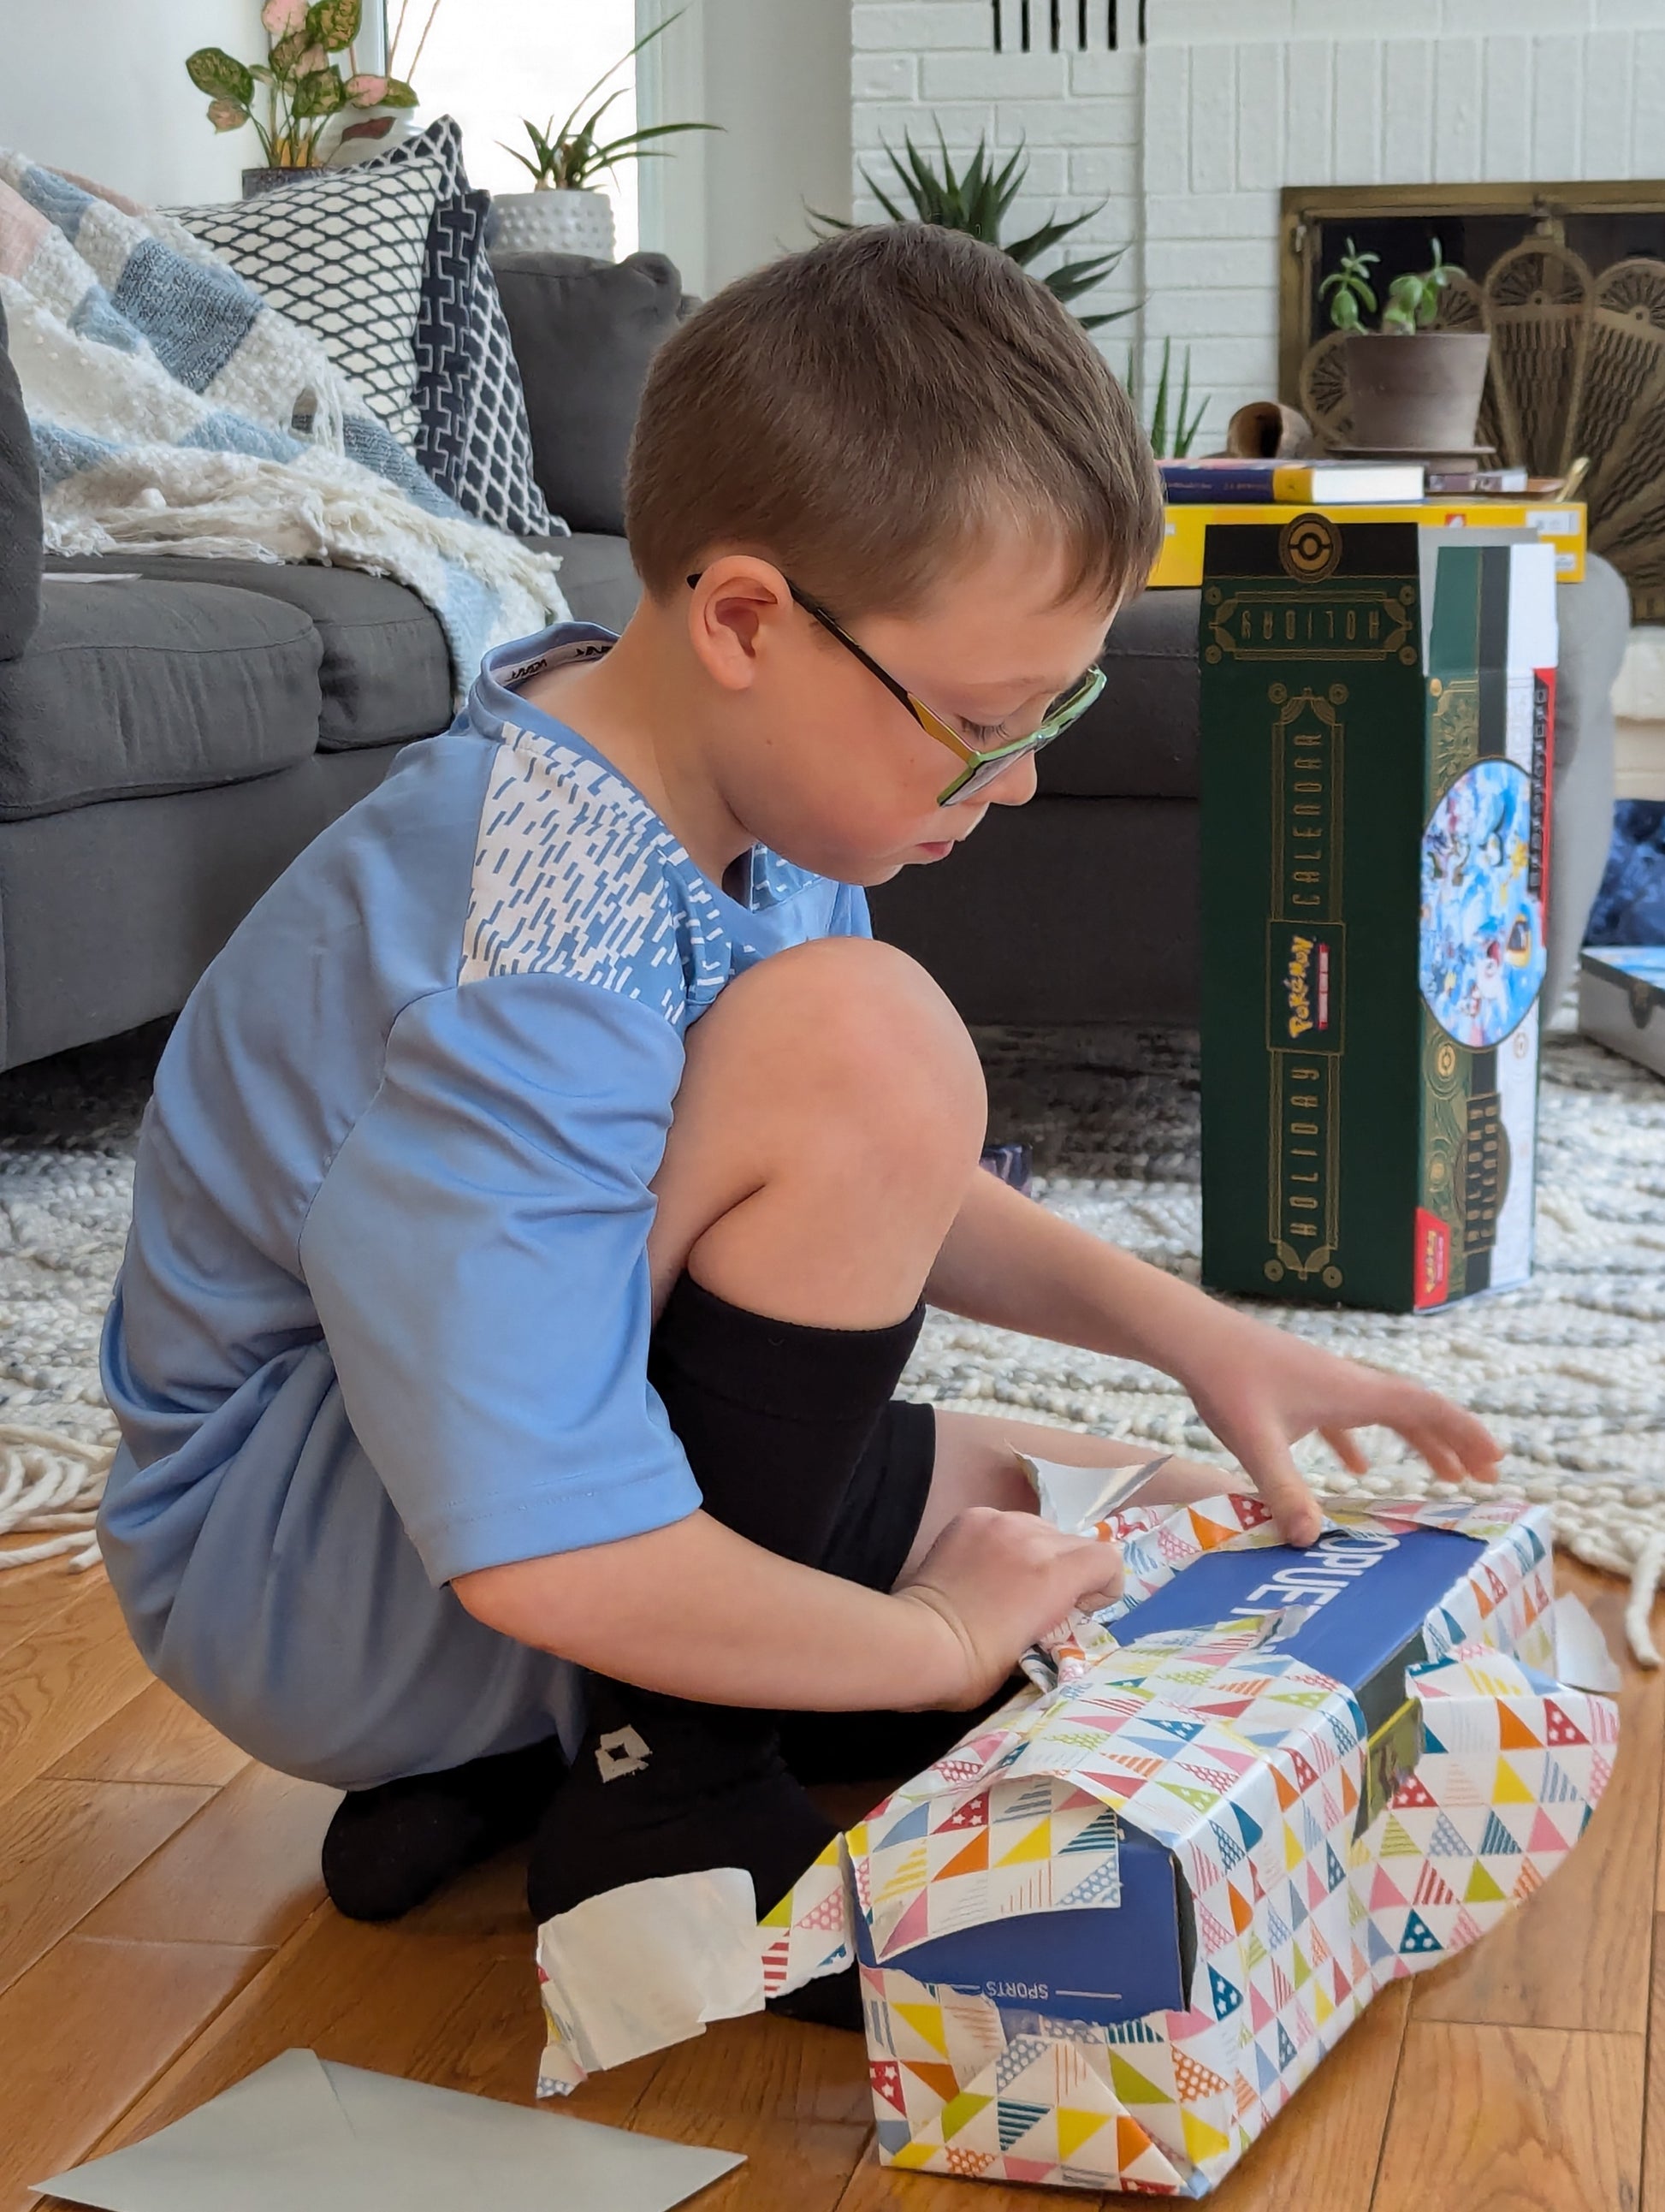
174,411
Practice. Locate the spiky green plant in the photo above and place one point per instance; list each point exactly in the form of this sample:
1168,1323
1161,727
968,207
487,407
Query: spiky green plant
978,202
569,159
1173,427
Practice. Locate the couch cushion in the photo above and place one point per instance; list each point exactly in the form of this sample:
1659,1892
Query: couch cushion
386,674
1064,911
596,575
134,686
20,514
584,333
1139,739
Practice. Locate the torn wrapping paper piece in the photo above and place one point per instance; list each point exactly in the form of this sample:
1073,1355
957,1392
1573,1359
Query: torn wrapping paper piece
1582,1656
809,1933
1079,1499
652,1963
644,1965
1082,1501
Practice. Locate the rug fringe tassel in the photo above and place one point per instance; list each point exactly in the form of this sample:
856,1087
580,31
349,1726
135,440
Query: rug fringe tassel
1645,1588
51,1485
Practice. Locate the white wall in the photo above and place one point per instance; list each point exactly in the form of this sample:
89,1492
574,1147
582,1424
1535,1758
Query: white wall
99,87
1191,138
491,63
1547,90
775,74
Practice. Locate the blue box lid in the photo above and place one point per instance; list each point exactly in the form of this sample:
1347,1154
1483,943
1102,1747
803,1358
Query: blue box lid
1368,1593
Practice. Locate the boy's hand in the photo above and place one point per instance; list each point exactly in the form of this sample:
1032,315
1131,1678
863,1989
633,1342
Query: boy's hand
997,1581
1260,1390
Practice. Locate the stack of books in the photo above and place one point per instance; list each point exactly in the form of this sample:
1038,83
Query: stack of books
1233,481
1233,491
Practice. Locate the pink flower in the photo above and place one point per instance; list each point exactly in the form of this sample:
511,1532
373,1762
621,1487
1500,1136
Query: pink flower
282,18
366,91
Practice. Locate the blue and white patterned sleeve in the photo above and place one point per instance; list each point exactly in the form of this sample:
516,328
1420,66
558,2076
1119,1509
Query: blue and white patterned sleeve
476,1254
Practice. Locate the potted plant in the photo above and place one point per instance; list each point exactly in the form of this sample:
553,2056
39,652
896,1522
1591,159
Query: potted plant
1413,389
304,88
1174,423
977,203
564,212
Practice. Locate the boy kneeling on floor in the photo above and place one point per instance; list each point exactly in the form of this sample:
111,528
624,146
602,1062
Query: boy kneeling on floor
534,1215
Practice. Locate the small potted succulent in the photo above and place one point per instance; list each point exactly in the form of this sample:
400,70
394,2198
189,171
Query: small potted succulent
303,88
564,212
1412,389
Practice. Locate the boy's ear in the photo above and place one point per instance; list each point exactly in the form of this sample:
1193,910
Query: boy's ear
734,603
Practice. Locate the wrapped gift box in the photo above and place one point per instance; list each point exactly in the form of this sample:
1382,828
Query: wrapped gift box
1105,1939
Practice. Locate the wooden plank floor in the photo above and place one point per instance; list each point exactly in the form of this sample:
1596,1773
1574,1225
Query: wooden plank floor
163,1931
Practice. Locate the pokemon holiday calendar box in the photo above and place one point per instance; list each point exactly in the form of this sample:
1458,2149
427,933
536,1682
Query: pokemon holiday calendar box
1104,1940
1377,742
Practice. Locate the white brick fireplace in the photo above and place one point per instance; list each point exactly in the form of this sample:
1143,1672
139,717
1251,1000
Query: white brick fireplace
1190,134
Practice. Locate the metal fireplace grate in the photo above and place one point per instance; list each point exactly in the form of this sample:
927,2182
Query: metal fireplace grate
1570,282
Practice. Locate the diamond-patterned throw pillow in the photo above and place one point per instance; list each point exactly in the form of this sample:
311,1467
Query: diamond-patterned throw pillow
342,252
474,440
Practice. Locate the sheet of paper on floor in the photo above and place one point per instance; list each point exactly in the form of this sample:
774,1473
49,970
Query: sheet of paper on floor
305,2130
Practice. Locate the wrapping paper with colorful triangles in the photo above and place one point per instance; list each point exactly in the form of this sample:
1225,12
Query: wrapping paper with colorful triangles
1249,1767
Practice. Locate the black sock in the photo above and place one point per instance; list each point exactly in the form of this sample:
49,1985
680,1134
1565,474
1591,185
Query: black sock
662,1786
387,1849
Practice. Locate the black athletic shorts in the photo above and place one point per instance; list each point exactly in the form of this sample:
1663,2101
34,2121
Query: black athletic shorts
797,1442
794,1435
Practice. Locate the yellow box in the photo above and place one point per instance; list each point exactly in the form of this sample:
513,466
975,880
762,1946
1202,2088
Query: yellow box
1563,523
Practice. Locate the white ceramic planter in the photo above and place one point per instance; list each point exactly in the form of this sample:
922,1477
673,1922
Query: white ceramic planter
554,222
376,129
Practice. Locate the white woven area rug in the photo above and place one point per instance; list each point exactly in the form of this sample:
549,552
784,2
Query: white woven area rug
1570,1372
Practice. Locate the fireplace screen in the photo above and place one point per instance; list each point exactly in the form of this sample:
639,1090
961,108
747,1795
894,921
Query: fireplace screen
1570,281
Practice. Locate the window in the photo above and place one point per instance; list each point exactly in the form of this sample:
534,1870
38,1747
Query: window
489,63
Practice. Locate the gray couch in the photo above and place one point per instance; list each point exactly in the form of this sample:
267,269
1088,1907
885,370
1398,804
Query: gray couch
173,730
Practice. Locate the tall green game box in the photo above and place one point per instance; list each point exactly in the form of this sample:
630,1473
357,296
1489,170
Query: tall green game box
1377,742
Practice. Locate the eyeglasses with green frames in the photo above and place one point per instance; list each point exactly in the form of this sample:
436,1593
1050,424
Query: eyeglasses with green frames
982,765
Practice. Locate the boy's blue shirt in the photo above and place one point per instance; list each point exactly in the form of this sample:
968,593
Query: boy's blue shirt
411,1113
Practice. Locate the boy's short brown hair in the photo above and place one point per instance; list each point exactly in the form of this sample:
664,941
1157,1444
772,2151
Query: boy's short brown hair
863,413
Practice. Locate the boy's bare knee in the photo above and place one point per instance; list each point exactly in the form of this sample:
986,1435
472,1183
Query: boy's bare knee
850,1032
